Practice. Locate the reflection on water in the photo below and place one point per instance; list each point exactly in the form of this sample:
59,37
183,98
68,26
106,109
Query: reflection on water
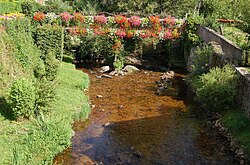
133,125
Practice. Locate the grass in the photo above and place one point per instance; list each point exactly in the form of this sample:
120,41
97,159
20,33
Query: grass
38,140
237,36
239,125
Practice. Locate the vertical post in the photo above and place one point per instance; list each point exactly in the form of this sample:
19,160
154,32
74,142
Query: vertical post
221,30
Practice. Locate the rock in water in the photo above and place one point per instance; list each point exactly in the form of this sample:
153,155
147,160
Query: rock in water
130,69
104,69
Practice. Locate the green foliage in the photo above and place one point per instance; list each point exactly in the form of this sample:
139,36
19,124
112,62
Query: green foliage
9,65
148,7
20,33
238,37
118,63
51,66
22,98
94,47
56,6
217,88
48,39
45,96
29,8
239,126
10,7
38,140
90,7
190,37
201,59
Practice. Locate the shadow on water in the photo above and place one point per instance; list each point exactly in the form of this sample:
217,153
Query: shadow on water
133,125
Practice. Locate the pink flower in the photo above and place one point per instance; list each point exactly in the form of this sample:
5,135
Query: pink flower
168,34
169,20
65,16
121,33
101,19
135,21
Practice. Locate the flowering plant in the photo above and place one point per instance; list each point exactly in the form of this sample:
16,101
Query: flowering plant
154,20
130,33
168,34
120,33
39,16
78,17
169,21
122,21
100,19
65,16
101,31
135,21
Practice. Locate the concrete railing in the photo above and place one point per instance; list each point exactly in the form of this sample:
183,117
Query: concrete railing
243,94
233,53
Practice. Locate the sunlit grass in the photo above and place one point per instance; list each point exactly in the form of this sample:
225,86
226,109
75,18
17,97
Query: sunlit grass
38,140
239,126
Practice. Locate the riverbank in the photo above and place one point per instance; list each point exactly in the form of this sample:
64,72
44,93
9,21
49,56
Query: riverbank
38,140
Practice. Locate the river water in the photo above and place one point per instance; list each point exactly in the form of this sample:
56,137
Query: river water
131,124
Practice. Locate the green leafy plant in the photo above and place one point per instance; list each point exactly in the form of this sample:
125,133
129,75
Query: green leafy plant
48,39
45,96
22,98
217,88
201,59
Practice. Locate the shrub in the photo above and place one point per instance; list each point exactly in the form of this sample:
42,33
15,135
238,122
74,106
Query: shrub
10,7
20,32
201,59
51,66
48,39
22,98
95,47
217,89
29,8
45,96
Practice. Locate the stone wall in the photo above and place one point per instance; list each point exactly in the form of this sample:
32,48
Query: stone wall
243,95
233,53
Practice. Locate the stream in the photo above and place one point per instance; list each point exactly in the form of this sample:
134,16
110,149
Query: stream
131,124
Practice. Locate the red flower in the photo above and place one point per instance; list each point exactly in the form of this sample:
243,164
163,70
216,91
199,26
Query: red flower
122,21
39,16
130,34
154,20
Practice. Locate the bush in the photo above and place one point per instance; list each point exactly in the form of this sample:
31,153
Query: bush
51,66
217,89
95,47
201,60
20,32
10,7
29,8
48,38
22,98
45,96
